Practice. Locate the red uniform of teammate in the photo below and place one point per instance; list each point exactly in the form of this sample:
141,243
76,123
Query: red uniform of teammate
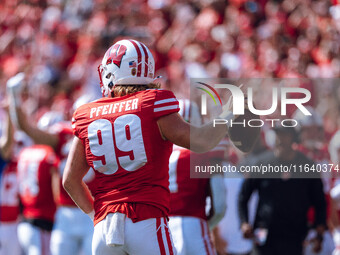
72,232
71,226
188,221
9,210
65,134
37,169
9,195
183,188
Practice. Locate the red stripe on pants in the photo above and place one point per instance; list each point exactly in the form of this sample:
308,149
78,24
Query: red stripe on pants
159,236
168,237
203,236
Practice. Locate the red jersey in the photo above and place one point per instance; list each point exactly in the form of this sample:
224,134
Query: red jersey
65,135
188,195
35,166
123,144
9,194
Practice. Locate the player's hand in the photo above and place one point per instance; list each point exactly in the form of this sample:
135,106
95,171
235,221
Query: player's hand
247,230
221,246
227,109
317,245
16,83
219,242
318,239
14,87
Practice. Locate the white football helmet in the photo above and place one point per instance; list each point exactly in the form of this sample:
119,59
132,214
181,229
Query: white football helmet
126,62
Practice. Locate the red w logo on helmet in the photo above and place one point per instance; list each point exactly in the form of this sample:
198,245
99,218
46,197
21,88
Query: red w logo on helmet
115,54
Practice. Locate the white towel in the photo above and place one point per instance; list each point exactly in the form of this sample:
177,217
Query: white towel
114,229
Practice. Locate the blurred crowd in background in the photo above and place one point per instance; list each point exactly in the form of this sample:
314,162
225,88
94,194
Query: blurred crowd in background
59,44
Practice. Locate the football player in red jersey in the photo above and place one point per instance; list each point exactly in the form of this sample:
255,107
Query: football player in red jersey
73,230
127,138
189,223
9,210
9,193
38,178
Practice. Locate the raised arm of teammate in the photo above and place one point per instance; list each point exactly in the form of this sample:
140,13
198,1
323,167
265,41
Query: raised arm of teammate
19,118
7,138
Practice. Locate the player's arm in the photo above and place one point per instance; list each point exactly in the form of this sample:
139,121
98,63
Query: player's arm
55,183
75,169
39,136
219,242
198,139
19,118
7,139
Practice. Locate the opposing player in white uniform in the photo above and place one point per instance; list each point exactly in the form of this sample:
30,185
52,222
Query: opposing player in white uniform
127,138
73,230
188,220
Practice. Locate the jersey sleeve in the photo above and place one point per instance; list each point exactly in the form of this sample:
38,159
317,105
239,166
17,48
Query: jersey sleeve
76,119
79,121
74,129
165,103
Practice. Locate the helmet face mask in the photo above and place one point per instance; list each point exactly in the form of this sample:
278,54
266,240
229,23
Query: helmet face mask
106,79
127,62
